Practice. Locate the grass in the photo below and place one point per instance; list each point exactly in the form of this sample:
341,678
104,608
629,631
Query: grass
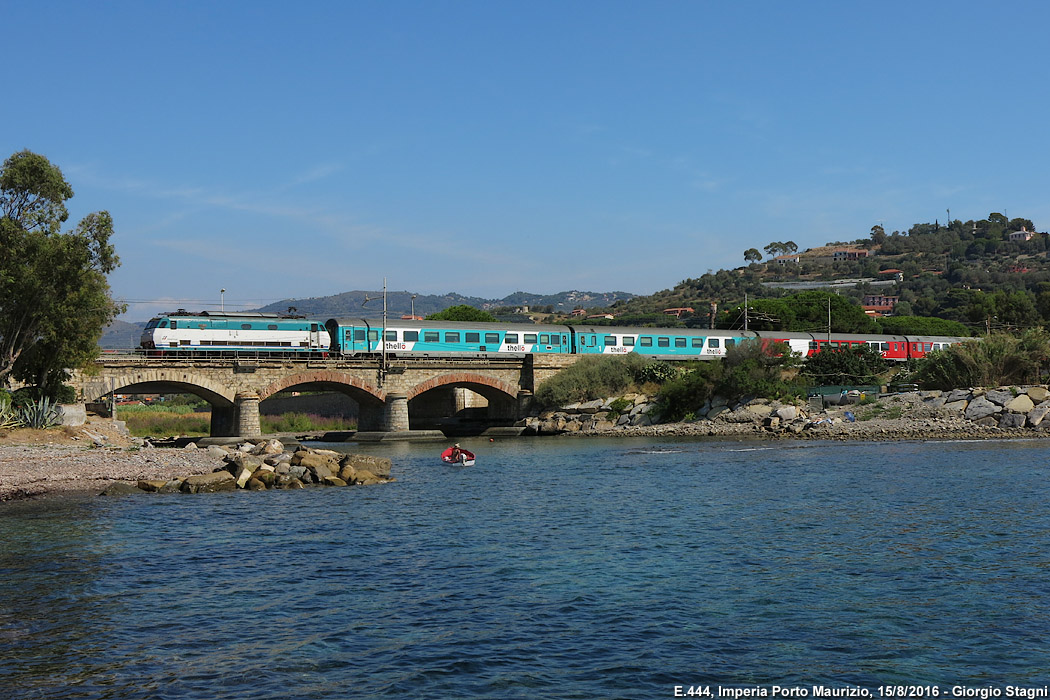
145,421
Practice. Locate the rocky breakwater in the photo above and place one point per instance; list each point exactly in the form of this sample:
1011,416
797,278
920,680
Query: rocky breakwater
268,465
958,414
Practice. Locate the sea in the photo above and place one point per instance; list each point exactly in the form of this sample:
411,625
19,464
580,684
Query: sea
554,568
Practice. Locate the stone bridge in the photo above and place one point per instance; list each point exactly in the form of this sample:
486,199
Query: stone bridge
389,394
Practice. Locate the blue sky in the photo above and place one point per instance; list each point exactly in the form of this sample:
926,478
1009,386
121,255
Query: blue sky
289,150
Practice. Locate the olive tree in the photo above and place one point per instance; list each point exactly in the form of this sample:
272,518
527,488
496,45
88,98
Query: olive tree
54,293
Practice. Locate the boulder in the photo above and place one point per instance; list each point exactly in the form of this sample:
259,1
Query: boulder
207,483
240,460
347,473
1012,420
980,408
591,406
1038,394
255,485
957,395
959,406
1037,414
312,460
121,488
268,447
999,396
216,452
333,481
366,478
787,413
1019,404
150,485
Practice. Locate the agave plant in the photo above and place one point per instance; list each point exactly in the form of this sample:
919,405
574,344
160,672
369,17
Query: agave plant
42,414
8,416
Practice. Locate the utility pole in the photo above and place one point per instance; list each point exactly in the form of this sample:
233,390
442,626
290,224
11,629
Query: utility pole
745,311
829,321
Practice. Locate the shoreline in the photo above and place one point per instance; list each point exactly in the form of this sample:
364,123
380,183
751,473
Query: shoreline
33,471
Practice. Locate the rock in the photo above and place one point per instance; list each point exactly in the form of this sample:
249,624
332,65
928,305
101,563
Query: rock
380,466
1037,414
297,471
957,395
1020,404
151,486
1038,394
641,419
240,460
787,413
209,483
268,447
320,472
347,473
242,477
121,488
958,406
980,408
295,484
216,452
190,446
999,396
333,481
1012,420
591,406
268,479
313,460
366,478
255,485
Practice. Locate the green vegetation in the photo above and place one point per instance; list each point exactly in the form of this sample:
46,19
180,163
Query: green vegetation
751,369
463,312
591,377
998,359
860,364
165,420
54,295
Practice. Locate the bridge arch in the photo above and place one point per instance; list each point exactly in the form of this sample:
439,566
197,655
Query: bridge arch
159,382
484,385
327,379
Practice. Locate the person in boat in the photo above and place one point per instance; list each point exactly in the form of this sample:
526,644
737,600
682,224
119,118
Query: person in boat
457,454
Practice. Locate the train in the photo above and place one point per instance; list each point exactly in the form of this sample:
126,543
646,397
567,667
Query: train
210,333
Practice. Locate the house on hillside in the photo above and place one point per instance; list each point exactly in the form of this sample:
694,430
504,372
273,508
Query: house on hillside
1023,235
849,254
879,304
785,259
678,311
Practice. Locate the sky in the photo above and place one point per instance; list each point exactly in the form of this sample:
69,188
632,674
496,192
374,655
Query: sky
290,150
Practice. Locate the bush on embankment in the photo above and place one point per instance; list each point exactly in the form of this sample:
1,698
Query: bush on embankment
998,359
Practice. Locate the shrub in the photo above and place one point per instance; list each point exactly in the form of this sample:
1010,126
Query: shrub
591,377
855,365
40,414
996,360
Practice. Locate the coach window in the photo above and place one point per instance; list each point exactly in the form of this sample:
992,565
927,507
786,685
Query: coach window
885,347
530,338
452,337
679,342
390,335
359,335
663,342
510,338
609,340
714,343
813,345
431,337
927,347
545,338
730,342
373,335
698,342
270,327
628,340
411,336
646,341
491,338
348,335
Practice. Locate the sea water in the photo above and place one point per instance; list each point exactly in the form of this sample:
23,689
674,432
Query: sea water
553,568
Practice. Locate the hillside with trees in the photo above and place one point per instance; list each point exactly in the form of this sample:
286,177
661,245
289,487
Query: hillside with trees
959,278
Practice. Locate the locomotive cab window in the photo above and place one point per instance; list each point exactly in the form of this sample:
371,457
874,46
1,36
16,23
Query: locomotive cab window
269,327
246,326
174,325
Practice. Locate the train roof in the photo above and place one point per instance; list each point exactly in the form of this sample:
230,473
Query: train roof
455,325
228,314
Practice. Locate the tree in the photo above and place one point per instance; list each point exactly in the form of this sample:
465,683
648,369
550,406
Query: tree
752,255
845,366
54,295
463,312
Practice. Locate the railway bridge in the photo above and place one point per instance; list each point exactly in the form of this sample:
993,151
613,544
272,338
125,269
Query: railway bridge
389,393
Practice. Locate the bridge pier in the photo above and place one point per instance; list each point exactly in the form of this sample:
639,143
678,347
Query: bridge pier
524,403
248,415
395,413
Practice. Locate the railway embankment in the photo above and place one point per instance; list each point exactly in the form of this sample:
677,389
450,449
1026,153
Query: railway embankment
975,413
